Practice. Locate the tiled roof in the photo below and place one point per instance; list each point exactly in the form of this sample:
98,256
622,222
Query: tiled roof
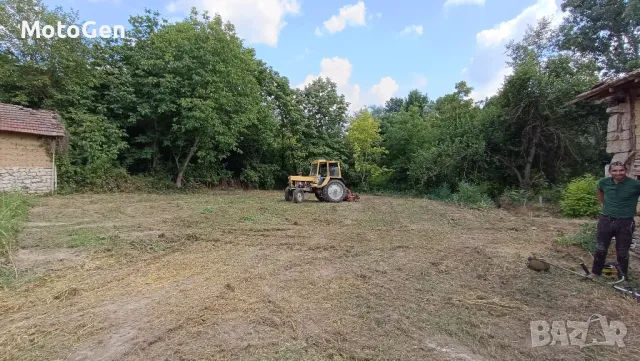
14,118
605,89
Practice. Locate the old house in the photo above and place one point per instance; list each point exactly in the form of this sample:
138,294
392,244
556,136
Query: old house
28,142
623,107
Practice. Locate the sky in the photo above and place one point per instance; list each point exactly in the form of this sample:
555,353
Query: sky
372,49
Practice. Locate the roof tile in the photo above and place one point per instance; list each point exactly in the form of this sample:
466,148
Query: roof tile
14,118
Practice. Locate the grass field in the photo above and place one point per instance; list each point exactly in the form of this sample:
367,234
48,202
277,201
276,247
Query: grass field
246,276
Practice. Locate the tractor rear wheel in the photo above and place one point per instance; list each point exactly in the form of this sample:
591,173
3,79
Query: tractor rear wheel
334,191
298,196
288,194
318,194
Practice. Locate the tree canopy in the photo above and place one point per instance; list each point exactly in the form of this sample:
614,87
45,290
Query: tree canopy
187,103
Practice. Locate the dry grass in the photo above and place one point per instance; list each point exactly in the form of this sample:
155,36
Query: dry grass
247,276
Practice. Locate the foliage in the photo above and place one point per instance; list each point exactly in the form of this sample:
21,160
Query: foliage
579,198
605,31
187,104
534,132
468,195
585,238
14,208
473,196
364,138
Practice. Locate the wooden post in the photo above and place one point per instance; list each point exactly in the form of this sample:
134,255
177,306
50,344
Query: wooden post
53,166
632,95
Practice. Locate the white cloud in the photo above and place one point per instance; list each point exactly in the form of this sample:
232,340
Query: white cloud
348,15
463,2
487,68
516,27
410,29
257,21
339,71
384,90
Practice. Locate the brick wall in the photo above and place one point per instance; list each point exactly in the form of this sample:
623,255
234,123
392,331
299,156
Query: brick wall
31,180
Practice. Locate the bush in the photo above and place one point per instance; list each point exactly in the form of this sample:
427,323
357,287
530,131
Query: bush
585,238
442,193
14,208
472,195
579,198
515,198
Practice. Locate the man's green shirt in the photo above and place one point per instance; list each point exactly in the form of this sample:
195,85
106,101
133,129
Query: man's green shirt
620,200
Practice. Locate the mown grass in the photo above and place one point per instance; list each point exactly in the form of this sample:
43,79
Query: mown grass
248,276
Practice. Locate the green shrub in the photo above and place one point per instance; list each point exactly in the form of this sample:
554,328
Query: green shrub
579,198
585,238
552,194
14,207
472,196
515,197
442,193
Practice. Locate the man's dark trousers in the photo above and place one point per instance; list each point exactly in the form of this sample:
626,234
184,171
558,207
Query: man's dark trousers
608,227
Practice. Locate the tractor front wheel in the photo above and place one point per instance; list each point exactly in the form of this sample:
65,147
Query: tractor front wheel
298,196
288,194
334,191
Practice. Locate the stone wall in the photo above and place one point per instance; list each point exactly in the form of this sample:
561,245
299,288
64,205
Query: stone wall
620,135
31,180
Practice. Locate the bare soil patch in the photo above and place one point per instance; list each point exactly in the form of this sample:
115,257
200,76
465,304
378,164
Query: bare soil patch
247,276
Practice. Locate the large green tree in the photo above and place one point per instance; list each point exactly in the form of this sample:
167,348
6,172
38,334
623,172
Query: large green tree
533,131
607,31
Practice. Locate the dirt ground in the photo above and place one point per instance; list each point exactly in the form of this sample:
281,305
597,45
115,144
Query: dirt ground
247,276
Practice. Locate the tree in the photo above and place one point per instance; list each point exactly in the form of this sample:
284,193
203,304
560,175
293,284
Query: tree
325,112
364,138
200,84
452,145
394,105
606,31
417,100
536,129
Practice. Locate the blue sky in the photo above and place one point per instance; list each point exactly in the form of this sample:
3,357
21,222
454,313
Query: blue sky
363,45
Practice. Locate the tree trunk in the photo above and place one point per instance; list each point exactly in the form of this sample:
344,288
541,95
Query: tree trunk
186,162
525,184
156,151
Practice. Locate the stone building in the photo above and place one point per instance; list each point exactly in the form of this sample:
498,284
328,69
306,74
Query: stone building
623,107
28,142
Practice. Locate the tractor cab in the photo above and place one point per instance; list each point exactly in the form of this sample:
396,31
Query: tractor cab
324,180
324,170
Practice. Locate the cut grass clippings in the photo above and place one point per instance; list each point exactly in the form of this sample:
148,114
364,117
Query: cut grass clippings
247,276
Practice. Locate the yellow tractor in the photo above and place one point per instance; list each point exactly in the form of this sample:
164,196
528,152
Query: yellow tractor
324,180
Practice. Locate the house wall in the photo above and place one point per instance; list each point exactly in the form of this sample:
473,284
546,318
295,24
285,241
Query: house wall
621,137
25,164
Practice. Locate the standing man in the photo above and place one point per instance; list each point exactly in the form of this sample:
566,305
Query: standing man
618,197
